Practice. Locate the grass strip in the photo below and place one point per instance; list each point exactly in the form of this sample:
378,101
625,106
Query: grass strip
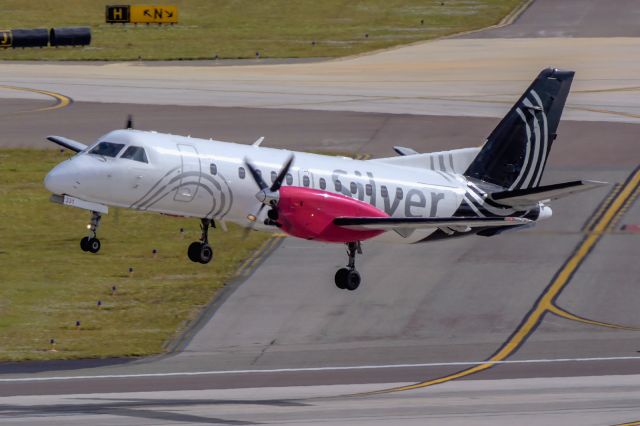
47,283
235,29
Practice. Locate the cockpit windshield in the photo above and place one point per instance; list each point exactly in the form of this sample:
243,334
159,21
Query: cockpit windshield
108,149
135,153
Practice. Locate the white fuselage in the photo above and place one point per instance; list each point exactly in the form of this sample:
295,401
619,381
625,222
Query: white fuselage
209,179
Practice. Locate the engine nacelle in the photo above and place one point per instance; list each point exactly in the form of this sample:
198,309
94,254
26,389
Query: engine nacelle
309,214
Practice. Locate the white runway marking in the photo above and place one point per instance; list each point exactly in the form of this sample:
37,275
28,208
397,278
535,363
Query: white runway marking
312,369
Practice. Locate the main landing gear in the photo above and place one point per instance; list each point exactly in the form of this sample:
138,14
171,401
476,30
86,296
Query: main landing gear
348,278
201,251
91,242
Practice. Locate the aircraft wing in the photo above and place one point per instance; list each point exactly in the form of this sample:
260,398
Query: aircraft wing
68,143
394,223
522,198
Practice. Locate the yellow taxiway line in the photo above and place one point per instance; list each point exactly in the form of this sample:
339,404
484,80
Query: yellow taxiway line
61,100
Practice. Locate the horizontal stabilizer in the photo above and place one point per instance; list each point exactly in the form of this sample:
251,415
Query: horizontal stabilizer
393,223
454,161
522,198
68,143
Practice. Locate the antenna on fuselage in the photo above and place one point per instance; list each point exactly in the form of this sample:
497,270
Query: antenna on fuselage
129,124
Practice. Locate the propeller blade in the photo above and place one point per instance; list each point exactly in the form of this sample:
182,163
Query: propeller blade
256,176
278,182
129,124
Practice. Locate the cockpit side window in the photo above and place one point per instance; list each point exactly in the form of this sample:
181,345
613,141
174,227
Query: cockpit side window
108,149
135,153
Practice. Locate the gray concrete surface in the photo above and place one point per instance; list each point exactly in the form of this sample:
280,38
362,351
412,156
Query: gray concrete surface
581,401
572,18
455,300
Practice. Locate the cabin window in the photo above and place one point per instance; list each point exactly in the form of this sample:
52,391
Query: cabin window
241,172
323,183
399,194
289,179
135,153
305,180
353,187
213,169
274,175
107,149
383,191
369,189
338,185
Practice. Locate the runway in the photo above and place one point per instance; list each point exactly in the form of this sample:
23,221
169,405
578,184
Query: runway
530,327
521,401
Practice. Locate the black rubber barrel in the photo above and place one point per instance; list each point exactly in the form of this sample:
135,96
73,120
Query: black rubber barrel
70,36
37,37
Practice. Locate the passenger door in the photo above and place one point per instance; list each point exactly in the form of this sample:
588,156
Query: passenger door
189,173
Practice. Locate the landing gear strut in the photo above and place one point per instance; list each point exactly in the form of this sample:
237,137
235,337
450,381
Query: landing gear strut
201,251
348,278
91,243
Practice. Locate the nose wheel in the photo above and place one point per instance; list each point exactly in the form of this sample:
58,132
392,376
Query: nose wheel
91,243
349,278
201,251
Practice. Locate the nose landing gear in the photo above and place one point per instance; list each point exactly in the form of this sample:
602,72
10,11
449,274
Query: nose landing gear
91,243
348,278
201,251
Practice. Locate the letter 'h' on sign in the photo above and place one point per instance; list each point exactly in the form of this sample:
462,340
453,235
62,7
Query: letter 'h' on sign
117,14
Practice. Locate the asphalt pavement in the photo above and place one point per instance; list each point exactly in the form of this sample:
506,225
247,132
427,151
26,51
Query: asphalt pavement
571,18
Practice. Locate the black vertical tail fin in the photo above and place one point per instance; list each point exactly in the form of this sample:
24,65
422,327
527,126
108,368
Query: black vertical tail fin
516,152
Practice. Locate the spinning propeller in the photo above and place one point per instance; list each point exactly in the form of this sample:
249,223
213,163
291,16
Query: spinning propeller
268,195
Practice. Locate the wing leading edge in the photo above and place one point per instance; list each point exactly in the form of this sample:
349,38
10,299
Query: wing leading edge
68,143
395,223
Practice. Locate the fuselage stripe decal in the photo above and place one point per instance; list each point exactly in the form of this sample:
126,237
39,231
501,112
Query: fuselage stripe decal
525,164
153,187
545,139
535,142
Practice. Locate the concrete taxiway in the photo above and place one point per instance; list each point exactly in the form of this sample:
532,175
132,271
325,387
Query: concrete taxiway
550,311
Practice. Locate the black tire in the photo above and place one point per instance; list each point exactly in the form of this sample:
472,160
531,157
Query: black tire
341,278
206,254
94,245
84,244
353,280
194,251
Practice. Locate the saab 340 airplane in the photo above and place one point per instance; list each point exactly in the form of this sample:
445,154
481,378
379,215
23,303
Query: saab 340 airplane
411,198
